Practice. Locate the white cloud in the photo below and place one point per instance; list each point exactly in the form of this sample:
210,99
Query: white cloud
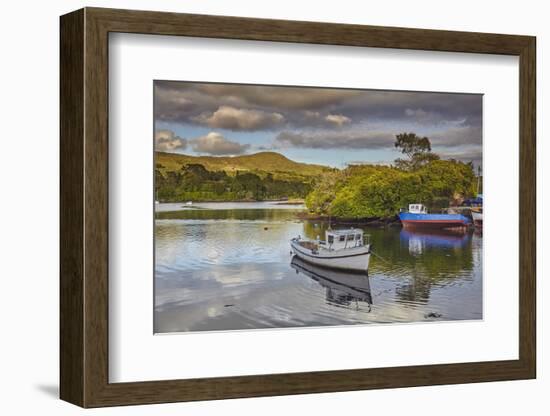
338,119
368,139
216,144
418,113
227,117
167,141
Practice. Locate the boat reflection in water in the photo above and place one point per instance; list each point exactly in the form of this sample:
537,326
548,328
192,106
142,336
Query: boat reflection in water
419,240
343,288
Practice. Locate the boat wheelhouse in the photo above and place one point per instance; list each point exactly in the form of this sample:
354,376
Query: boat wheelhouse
418,217
341,249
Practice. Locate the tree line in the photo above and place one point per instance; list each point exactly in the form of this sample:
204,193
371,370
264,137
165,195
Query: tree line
358,191
195,183
368,191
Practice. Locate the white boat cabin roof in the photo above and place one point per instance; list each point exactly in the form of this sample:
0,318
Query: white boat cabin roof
345,232
417,209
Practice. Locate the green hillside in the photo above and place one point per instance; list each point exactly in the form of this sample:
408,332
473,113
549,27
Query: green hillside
268,162
261,176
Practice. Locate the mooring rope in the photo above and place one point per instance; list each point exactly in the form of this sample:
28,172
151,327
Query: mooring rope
380,257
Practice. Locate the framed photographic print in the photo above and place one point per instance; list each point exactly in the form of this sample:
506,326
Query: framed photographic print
257,207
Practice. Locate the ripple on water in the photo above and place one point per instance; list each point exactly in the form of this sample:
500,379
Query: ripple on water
220,274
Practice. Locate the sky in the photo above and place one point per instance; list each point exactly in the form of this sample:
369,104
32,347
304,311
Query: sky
328,126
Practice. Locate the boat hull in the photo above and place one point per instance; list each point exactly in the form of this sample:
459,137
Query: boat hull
354,259
440,221
478,218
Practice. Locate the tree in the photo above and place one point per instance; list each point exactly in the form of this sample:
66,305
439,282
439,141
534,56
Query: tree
410,144
417,149
380,191
322,196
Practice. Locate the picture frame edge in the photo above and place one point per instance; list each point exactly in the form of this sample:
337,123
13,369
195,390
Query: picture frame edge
84,216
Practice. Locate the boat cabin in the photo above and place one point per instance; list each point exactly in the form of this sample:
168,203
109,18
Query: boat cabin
417,209
341,239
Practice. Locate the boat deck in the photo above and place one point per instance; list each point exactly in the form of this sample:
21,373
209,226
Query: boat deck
310,245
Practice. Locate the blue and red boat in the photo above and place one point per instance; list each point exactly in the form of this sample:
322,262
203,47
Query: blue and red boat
417,217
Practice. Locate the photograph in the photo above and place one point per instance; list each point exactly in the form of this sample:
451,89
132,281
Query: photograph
282,206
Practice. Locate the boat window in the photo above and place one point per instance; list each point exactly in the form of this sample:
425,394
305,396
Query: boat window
342,238
358,237
351,236
330,239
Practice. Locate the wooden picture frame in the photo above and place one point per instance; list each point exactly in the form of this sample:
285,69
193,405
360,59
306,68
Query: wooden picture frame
84,207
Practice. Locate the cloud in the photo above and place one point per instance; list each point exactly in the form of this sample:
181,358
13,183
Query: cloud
316,119
423,108
467,154
336,140
415,113
167,141
421,116
273,96
338,119
458,134
239,107
247,107
231,118
216,144
369,162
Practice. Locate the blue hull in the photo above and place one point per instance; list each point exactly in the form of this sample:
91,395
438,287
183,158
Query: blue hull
411,220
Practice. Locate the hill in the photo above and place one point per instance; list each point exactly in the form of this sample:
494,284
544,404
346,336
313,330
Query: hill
263,162
256,177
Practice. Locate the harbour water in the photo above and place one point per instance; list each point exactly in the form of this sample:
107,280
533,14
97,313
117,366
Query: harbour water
227,266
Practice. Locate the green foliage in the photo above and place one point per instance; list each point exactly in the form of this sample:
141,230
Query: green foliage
322,196
452,179
261,176
417,149
362,191
193,182
410,144
380,191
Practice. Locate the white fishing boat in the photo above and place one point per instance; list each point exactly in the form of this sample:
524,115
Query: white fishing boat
341,249
189,203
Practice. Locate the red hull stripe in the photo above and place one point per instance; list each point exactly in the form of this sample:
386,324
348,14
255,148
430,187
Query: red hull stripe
432,222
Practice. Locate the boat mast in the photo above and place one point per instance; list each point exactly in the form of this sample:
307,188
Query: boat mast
478,179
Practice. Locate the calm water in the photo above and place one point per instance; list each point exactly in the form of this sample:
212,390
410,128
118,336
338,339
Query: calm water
223,266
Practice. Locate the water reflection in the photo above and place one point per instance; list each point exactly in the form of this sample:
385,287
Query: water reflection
418,240
342,288
222,269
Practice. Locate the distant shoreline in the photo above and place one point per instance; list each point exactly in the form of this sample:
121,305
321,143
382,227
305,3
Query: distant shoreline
277,201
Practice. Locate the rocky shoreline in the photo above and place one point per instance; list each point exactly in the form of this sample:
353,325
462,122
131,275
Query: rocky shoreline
372,222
